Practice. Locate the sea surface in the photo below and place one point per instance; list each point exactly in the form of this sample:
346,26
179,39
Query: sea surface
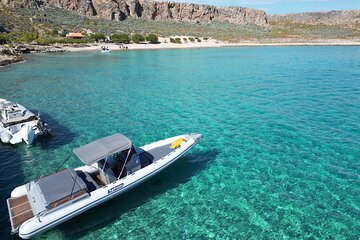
280,157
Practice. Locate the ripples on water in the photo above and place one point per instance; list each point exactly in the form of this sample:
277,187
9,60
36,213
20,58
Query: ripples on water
280,124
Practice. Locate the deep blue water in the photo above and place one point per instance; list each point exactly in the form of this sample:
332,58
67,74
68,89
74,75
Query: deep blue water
281,128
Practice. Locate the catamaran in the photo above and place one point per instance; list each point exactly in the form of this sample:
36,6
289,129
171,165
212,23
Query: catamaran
112,167
19,124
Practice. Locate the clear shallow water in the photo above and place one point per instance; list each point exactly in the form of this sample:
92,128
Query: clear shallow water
281,127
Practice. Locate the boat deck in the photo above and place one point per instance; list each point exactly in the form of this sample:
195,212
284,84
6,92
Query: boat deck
155,154
19,210
18,120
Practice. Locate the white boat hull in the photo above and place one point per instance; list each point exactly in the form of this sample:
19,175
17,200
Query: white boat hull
54,217
24,127
23,132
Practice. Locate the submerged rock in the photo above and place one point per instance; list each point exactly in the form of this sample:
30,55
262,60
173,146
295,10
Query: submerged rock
6,59
9,55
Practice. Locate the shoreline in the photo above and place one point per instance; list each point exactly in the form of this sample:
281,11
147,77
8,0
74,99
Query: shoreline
6,60
209,44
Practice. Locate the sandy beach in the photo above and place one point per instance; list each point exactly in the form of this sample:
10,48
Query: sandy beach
164,43
210,43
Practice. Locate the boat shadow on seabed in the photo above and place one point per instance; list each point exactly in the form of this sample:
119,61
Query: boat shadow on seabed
105,214
59,134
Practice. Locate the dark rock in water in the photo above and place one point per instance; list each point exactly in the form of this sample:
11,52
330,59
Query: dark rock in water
22,49
6,59
9,55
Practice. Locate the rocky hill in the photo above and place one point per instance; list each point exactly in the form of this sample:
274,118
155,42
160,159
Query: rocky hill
152,10
344,18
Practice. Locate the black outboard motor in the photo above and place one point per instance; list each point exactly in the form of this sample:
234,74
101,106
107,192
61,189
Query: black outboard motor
42,126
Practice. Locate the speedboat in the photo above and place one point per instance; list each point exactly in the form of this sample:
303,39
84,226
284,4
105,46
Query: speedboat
105,50
19,124
112,167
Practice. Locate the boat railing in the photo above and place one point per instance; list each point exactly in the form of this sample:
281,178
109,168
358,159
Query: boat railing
40,214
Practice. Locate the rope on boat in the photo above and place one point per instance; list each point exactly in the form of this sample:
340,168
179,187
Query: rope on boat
73,187
63,162
206,146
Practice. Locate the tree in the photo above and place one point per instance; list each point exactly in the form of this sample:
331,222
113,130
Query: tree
97,36
120,38
176,40
27,36
54,32
152,38
3,39
136,38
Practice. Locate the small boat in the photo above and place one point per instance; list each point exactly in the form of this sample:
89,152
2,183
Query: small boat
112,167
19,124
105,49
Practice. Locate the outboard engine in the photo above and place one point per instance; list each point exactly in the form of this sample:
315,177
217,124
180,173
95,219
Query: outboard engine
30,135
26,134
42,127
5,136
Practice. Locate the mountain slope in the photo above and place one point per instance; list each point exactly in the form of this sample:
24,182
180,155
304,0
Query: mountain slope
152,10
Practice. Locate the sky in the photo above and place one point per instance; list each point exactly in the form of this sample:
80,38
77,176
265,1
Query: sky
285,6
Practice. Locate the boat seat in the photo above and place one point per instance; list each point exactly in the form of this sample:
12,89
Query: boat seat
89,181
107,175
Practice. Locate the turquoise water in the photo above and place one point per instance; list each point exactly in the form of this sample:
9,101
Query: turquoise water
281,127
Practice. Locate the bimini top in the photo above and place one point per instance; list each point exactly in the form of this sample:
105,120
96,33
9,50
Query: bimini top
102,148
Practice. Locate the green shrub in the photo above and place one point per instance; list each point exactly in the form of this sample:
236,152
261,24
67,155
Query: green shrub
54,32
205,38
3,38
46,41
26,36
198,39
152,38
52,40
120,38
175,40
192,39
185,39
136,38
74,40
97,36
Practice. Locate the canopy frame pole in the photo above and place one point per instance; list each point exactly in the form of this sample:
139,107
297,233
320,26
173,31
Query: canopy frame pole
124,164
105,163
